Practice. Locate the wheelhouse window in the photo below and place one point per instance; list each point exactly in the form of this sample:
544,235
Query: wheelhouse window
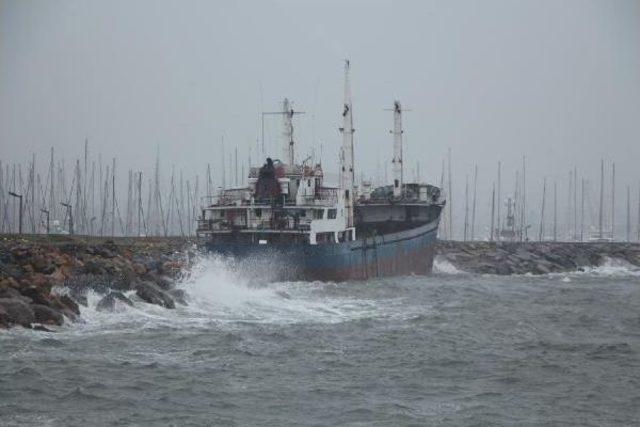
318,213
332,213
258,213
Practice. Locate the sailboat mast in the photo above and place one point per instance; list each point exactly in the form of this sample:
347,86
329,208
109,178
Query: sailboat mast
473,209
466,207
613,200
582,210
544,194
493,208
499,199
601,212
555,210
450,196
628,214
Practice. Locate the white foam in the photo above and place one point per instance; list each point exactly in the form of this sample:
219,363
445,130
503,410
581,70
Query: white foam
444,266
613,267
221,292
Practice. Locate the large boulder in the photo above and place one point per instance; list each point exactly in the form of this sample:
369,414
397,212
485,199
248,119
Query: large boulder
14,293
65,305
36,294
151,293
43,264
108,302
68,302
164,282
17,311
4,318
47,315
179,296
93,266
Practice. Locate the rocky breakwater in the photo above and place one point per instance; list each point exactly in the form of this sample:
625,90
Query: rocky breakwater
534,257
44,280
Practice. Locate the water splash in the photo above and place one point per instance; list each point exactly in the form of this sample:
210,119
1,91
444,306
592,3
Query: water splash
229,292
221,292
612,267
443,266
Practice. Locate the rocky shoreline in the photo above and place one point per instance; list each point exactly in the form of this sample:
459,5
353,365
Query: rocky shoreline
45,279
533,257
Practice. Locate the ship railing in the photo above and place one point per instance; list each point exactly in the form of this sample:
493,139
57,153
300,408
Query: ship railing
210,200
283,224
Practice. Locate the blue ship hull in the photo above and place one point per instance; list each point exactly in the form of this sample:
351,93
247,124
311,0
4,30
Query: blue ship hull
393,254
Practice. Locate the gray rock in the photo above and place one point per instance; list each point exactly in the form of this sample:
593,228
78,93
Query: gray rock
151,293
47,315
164,282
17,311
36,294
13,293
4,318
108,302
70,304
179,295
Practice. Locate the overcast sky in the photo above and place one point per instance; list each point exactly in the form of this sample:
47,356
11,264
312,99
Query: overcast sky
557,81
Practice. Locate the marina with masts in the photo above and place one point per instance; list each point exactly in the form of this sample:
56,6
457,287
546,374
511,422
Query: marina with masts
94,195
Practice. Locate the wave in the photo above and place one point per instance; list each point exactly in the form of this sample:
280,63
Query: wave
220,291
613,267
610,267
234,292
443,266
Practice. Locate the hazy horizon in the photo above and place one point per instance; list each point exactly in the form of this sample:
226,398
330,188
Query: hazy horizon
557,82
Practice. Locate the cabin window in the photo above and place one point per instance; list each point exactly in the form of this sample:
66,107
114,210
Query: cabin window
318,213
222,214
297,183
258,213
303,213
332,213
308,183
396,183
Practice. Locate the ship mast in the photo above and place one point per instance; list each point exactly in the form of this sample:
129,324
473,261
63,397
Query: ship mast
287,114
347,176
398,177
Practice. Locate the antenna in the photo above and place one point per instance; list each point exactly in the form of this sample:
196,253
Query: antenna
287,113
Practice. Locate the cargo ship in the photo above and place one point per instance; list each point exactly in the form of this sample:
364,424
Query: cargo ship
292,226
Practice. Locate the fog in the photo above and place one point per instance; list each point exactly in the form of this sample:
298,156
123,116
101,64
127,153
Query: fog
556,82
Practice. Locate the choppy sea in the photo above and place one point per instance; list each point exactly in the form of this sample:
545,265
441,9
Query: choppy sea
449,349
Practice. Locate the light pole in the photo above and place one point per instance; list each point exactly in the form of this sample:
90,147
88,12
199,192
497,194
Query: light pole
11,193
70,212
44,211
